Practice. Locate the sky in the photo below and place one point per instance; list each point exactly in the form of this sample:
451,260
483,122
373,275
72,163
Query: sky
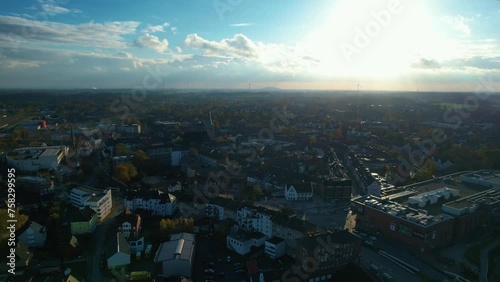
426,45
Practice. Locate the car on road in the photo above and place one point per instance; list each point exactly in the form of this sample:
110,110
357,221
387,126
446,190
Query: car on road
228,258
209,270
369,243
373,238
362,233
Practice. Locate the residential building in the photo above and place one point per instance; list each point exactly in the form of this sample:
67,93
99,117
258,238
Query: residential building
330,251
291,228
160,203
34,184
119,253
275,247
129,224
98,200
252,218
176,256
299,191
36,158
242,242
222,208
81,221
34,236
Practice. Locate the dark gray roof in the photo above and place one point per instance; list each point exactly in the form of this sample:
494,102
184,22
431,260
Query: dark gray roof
292,222
180,247
339,237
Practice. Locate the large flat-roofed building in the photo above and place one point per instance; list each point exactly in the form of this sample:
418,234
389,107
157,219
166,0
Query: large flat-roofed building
36,158
411,226
99,201
242,242
176,256
485,177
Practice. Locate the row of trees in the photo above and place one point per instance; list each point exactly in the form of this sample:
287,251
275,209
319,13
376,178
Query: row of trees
140,166
169,226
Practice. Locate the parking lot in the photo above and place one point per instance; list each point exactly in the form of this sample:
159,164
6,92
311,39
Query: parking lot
211,253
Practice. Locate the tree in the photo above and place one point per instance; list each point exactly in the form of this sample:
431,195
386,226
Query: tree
140,159
167,226
121,150
125,172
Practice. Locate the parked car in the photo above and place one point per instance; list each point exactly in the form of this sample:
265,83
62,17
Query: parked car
228,258
209,270
373,238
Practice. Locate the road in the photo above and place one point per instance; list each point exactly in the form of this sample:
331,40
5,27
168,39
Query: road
98,246
369,257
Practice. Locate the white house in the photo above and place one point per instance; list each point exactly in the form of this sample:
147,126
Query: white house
99,201
255,219
299,191
120,252
275,247
34,236
159,203
242,242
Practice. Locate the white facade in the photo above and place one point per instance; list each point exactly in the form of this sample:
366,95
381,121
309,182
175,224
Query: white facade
100,201
136,245
254,220
214,211
162,205
294,194
242,243
36,158
275,248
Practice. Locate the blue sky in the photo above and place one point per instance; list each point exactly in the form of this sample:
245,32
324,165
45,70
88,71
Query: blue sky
384,44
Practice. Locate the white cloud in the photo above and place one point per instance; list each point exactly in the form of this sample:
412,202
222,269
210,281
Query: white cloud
98,68
273,57
459,23
155,28
178,49
239,46
108,34
51,8
241,24
125,69
18,64
124,54
151,42
174,30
